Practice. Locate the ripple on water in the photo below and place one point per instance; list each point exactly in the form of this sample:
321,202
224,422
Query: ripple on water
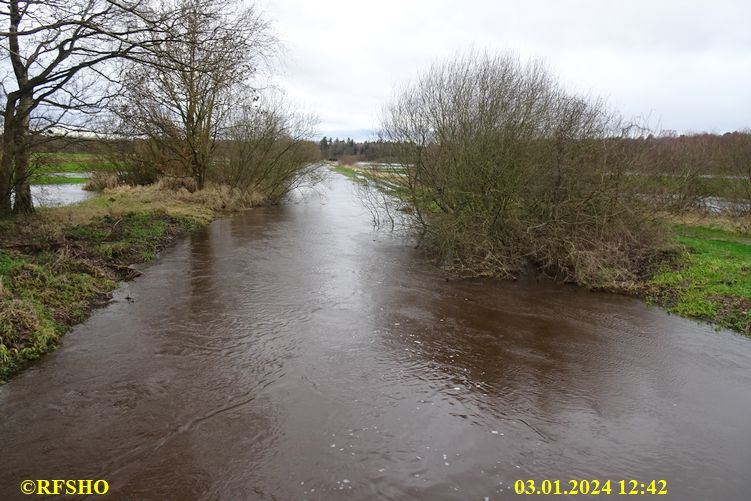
291,352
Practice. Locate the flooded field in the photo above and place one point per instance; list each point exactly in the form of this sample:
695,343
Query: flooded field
55,195
293,352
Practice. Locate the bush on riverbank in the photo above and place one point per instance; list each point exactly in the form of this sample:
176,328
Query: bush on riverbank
705,274
503,168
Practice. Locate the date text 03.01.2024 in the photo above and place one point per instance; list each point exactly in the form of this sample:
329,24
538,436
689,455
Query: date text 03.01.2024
591,487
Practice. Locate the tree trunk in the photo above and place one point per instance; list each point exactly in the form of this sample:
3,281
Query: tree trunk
6,162
23,203
6,176
19,121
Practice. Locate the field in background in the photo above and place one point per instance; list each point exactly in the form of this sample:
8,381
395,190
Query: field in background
50,166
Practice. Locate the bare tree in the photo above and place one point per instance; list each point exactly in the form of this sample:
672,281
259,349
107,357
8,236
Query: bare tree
217,49
58,57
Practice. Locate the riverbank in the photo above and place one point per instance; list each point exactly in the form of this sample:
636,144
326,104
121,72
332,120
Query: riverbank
705,276
59,263
711,278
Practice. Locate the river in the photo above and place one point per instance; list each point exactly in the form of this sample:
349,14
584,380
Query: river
293,352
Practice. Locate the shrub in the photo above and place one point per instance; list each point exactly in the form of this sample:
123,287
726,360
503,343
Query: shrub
102,180
268,151
503,168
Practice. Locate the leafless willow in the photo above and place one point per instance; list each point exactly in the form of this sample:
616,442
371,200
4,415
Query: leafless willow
268,149
503,167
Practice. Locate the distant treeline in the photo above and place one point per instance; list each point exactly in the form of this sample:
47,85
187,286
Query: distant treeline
702,153
348,151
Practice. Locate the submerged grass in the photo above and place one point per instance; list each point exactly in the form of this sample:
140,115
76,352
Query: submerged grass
347,171
389,182
58,264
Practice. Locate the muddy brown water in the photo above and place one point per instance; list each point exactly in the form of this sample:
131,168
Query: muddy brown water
294,353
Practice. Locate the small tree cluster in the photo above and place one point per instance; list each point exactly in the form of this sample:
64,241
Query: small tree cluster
338,149
268,150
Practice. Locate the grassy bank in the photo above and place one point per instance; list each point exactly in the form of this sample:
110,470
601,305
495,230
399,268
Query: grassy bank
50,163
711,280
58,264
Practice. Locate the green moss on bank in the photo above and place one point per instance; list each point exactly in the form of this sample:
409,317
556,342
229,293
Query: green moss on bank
711,280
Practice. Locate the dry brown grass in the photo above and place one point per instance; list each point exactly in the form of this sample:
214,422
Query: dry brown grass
102,180
178,183
202,206
734,224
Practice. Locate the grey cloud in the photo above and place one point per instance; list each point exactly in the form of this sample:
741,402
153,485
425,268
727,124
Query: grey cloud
686,64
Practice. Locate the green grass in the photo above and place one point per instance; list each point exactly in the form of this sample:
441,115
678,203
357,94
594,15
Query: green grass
712,279
8,262
50,163
47,179
348,171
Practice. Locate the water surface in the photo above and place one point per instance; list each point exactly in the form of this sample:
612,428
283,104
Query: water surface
294,353
56,195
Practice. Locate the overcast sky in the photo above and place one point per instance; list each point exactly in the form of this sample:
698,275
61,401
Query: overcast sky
684,64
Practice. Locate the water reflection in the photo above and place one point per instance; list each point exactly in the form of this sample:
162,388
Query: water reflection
55,195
